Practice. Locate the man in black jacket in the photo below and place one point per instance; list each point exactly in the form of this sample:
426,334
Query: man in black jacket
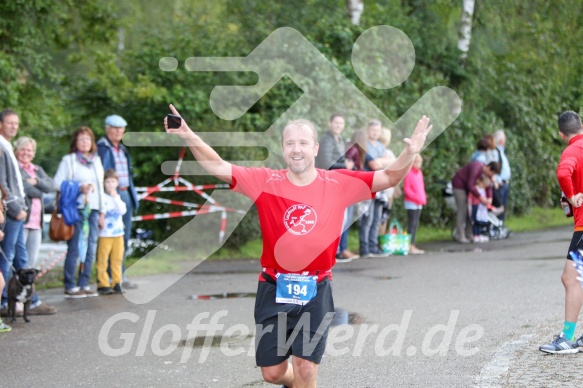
331,157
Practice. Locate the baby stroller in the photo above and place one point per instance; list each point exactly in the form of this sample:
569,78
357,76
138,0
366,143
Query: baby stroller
495,228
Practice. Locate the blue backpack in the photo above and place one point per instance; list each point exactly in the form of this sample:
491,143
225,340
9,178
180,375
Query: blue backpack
68,201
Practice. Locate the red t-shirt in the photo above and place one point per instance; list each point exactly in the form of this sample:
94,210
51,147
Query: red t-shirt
570,174
301,225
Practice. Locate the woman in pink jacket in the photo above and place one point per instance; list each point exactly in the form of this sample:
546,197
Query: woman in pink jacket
415,198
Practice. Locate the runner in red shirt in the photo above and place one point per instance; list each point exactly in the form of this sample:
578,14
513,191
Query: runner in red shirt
300,210
570,176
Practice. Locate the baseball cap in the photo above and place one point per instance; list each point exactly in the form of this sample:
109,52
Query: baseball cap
115,121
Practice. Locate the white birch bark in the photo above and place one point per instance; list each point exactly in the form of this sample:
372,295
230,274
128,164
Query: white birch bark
355,8
465,32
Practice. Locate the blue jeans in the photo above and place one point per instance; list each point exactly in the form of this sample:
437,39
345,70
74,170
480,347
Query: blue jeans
348,214
369,228
73,252
15,253
502,193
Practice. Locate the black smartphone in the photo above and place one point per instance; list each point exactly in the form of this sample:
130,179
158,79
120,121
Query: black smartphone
174,121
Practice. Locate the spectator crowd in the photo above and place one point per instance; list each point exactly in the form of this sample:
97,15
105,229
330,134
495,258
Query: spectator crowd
102,172
107,198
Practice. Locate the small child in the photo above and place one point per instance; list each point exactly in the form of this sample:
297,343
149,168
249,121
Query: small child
415,199
110,247
479,211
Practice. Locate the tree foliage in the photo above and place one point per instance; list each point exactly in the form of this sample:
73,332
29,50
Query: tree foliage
66,63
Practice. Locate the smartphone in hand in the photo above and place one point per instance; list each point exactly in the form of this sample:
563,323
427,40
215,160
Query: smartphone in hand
174,121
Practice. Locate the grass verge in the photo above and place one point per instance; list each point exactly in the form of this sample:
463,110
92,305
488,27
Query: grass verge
538,218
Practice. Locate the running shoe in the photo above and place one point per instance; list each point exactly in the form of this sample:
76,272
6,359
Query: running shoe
340,259
4,327
560,345
105,290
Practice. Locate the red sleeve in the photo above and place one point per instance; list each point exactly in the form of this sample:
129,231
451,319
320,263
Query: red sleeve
359,193
567,166
249,181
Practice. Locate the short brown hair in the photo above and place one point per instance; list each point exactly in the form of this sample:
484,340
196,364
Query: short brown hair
336,115
7,112
486,143
301,123
484,179
110,173
80,131
494,167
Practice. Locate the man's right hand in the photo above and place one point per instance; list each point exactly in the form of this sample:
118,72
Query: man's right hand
21,215
203,153
183,131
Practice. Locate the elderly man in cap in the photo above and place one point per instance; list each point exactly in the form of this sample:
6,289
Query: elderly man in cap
115,155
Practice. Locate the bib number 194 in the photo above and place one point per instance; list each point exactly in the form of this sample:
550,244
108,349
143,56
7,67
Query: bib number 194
295,289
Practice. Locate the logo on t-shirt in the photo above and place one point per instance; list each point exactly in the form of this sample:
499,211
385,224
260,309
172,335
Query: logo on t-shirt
275,176
300,219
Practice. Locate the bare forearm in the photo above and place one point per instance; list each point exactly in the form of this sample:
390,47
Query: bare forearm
395,173
398,170
209,159
204,154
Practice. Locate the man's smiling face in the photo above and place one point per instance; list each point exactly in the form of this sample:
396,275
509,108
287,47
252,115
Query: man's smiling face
299,148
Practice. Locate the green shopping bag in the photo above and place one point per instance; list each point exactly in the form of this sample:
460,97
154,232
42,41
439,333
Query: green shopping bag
396,242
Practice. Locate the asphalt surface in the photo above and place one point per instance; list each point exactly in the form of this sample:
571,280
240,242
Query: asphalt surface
458,316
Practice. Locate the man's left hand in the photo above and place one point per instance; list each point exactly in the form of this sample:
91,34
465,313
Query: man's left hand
576,200
415,143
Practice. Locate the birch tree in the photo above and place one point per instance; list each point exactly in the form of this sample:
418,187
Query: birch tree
355,8
465,32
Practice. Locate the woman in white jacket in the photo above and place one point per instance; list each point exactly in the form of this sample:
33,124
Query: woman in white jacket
84,166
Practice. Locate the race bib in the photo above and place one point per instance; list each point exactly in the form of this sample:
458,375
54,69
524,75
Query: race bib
295,289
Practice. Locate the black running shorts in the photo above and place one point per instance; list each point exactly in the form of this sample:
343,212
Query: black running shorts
304,329
576,243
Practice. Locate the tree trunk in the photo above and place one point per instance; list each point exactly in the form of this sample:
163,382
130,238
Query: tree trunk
120,40
465,33
355,8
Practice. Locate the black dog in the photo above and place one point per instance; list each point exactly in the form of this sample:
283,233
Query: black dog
21,289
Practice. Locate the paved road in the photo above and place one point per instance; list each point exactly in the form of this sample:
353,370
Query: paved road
459,316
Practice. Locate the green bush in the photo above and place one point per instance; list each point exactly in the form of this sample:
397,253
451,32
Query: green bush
64,65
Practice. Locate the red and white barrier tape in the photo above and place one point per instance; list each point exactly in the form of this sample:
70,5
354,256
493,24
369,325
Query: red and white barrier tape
53,263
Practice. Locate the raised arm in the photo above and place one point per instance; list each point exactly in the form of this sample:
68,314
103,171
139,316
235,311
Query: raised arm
204,154
394,174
